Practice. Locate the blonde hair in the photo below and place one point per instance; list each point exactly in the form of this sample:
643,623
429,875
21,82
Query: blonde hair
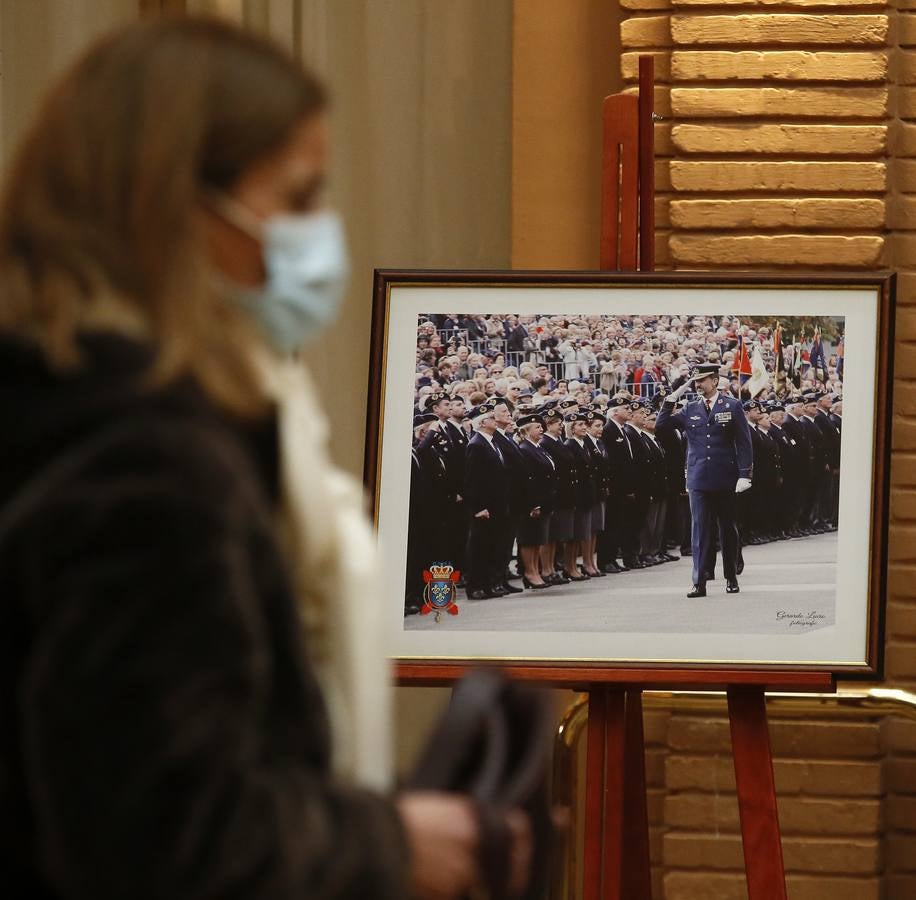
99,212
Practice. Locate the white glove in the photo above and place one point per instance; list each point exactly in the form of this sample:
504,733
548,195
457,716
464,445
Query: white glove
676,395
742,485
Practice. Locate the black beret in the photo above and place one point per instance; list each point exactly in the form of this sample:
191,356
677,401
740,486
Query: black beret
433,398
485,408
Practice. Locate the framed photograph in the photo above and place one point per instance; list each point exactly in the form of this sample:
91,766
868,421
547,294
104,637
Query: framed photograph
606,471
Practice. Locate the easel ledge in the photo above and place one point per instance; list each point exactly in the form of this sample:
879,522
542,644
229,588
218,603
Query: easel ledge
422,674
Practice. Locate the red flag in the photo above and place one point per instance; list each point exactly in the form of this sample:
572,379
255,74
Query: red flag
744,363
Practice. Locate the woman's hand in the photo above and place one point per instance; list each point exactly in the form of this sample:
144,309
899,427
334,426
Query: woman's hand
443,839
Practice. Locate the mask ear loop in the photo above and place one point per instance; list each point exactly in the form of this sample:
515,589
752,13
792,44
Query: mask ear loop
236,214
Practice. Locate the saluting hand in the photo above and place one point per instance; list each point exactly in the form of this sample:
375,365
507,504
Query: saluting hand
483,514
674,396
742,485
535,513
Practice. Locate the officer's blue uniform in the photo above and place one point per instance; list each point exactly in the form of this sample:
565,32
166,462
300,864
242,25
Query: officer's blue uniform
719,452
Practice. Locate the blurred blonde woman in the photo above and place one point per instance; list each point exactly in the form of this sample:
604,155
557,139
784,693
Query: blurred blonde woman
169,517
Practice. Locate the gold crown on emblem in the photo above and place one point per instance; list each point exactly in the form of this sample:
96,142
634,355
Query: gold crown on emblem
441,571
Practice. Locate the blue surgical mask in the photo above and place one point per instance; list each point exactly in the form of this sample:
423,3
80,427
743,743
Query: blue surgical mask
305,256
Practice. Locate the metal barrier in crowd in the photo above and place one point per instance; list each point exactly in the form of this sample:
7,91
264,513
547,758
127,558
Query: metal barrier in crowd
559,369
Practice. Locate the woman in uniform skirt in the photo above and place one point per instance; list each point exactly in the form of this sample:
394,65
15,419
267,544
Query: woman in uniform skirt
576,431
539,474
561,519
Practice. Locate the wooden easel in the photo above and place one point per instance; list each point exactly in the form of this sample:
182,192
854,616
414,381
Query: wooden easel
616,863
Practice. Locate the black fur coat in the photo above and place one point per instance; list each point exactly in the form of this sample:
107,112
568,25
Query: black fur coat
162,734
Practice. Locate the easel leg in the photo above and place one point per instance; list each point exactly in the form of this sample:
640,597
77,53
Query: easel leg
635,874
763,862
616,823
594,794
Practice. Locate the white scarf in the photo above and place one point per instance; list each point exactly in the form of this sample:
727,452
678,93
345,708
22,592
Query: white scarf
334,568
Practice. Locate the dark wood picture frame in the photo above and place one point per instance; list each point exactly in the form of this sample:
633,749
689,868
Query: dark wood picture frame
682,674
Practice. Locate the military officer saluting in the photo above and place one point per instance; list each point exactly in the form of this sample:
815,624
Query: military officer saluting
719,466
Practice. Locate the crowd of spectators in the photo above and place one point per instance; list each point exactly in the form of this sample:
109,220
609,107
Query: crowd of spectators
475,357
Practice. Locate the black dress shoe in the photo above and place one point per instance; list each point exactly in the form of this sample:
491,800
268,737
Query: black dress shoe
479,594
510,588
670,557
699,590
731,586
686,551
611,568
411,609
557,578
498,591
532,586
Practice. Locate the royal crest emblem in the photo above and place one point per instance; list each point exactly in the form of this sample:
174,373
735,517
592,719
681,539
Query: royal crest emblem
440,591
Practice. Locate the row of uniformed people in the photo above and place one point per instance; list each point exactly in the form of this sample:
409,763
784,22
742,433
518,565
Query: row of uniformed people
570,483
795,490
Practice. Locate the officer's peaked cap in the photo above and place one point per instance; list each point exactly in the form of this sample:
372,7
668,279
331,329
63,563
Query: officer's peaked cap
704,369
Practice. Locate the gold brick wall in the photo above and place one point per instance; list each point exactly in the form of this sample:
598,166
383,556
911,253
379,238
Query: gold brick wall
789,141
831,782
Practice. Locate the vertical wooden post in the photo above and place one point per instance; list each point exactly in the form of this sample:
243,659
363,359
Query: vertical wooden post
620,183
621,870
646,164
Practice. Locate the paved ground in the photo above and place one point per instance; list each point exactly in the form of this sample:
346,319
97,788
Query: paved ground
786,586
